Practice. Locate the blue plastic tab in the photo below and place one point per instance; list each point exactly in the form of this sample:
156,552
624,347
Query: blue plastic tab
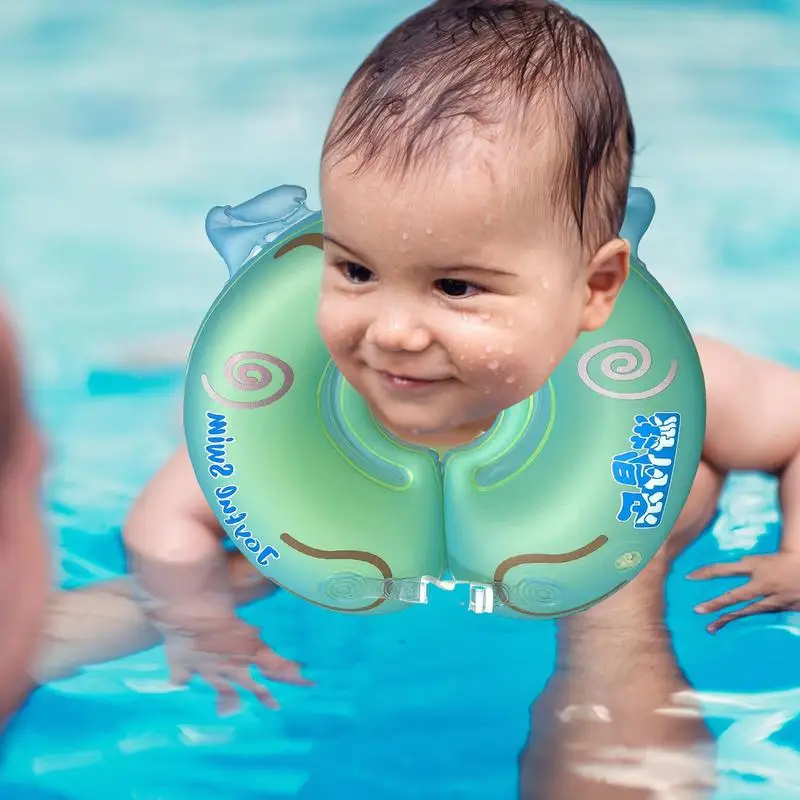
235,231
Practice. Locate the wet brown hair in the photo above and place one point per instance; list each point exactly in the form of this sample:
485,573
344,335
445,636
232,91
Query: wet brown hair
483,62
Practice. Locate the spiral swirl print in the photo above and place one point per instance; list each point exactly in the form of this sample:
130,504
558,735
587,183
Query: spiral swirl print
346,586
248,372
537,594
621,365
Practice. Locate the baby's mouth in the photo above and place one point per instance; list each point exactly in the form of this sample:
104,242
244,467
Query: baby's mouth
397,381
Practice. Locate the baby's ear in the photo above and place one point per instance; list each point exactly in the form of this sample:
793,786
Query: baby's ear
605,276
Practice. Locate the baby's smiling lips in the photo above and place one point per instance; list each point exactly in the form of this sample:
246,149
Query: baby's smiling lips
400,381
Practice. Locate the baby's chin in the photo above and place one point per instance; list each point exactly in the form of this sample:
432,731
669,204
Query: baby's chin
406,426
454,422
439,432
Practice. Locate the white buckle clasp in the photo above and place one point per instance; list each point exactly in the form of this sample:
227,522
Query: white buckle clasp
446,586
481,598
481,595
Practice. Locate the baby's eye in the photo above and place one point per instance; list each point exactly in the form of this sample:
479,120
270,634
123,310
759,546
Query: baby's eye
355,273
452,287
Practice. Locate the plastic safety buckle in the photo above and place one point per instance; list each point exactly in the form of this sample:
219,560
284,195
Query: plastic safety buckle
481,595
481,598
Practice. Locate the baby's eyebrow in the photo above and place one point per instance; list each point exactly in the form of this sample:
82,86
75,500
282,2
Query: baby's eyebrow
450,269
476,268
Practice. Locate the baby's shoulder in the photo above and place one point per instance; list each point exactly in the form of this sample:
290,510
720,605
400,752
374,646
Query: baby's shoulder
726,367
752,407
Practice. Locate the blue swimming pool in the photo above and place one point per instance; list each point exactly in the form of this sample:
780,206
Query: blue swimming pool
123,124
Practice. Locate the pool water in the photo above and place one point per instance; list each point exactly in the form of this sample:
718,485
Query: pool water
123,124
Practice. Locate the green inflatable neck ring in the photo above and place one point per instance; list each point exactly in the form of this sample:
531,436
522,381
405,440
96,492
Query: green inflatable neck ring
564,500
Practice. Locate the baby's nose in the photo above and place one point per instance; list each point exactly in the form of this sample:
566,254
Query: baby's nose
396,328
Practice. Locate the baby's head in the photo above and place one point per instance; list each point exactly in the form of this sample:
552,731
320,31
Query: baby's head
474,181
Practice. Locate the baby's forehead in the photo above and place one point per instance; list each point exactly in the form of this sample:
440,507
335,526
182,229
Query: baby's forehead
439,215
505,173
506,162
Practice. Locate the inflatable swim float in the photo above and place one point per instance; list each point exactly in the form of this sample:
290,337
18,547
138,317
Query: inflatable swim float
562,502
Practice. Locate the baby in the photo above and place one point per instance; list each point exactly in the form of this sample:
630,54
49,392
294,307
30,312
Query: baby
473,184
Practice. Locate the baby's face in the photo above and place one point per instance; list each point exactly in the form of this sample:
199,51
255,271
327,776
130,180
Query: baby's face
441,303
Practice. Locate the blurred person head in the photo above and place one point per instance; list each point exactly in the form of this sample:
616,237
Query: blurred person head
24,556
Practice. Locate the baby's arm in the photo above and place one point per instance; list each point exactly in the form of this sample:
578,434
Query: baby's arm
175,554
753,423
173,544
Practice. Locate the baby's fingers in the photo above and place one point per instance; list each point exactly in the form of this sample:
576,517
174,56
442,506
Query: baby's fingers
762,606
242,677
228,700
738,595
179,674
278,668
723,569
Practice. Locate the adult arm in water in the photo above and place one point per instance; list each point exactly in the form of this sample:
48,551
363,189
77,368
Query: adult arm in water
104,621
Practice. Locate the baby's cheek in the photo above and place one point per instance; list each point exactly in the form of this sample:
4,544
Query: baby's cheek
485,366
331,321
519,367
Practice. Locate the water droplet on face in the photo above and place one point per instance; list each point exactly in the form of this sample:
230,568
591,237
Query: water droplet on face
511,379
493,365
489,348
405,235
429,231
485,315
508,349
545,283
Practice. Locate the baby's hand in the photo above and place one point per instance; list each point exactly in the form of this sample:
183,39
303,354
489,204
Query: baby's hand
774,585
221,650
